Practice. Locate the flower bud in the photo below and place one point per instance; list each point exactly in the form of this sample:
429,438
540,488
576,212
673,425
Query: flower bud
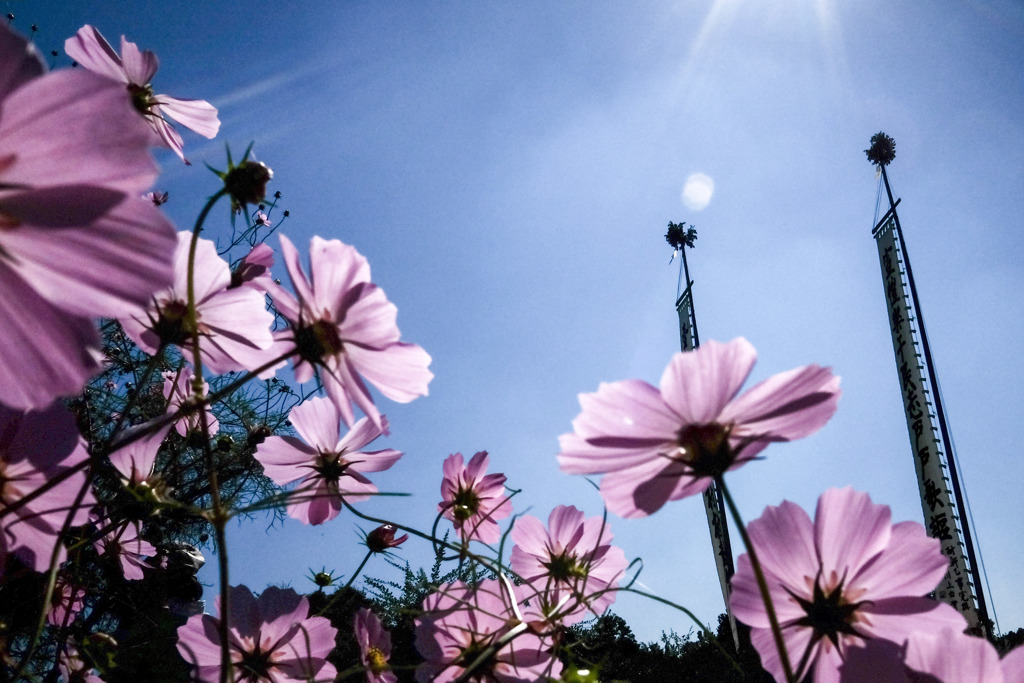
383,537
247,182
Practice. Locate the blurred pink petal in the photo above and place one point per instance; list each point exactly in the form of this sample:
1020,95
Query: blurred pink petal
36,447
73,161
658,445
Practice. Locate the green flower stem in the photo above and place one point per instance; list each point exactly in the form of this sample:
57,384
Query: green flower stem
219,516
762,584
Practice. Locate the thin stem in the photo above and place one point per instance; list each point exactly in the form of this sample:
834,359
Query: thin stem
762,584
219,517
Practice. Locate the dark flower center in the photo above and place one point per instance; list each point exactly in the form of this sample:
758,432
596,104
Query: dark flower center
331,466
828,614
317,341
142,97
706,449
565,567
255,665
172,325
466,504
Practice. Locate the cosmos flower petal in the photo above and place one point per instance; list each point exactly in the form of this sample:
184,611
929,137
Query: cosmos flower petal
895,618
642,490
293,264
134,69
925,564
784,536
284,458
113,267
362,433
297,644
140,66
951,655
400,371
844,547
699,385
90,49
787,406
1013,665
37,368
658,445
317,421
87,123
631,409
832,601
197,115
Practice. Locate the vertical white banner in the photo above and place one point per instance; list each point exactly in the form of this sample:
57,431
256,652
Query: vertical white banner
942,520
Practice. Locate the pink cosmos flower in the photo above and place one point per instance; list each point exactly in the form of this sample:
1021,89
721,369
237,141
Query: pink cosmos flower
134,70
374,647
472,500
74,162
35,448
67,602
571,564
328,467
254,269
73,667
234,323
178,392
946,655
344,327
136,461
271,638
124,543
839,581
460,622
660,445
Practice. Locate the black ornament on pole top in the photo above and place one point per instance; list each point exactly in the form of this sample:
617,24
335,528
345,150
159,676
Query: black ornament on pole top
679,235
882,150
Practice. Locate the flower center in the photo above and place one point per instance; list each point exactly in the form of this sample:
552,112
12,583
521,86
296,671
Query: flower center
376,660
466,504
828,614
142,97
255,665
172,326
705,448
565,567
331,466
316,341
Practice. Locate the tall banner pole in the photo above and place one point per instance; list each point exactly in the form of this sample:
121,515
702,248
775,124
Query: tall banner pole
938,482
714,503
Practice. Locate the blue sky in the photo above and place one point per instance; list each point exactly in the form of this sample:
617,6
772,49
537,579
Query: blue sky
509,170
